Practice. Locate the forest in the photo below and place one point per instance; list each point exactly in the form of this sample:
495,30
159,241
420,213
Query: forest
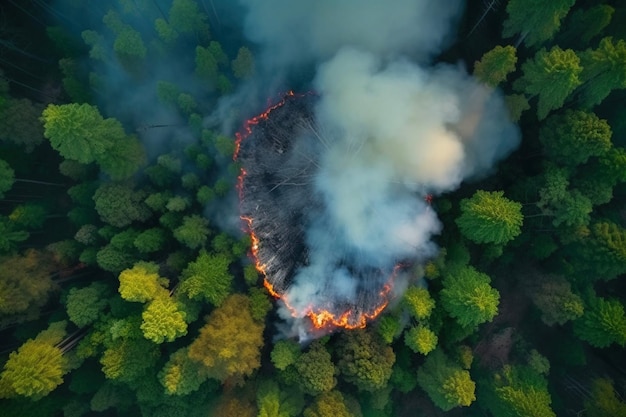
128,284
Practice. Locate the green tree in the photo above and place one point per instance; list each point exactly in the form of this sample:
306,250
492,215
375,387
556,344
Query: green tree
119,204
420,339
128,359
447,384
85,305
585,24
572,137
551,76
316,370
181,375
496,65
112,259
285,352
517,391
10,235
553,296
229,345
185,17
389,327
124,159
604,70
489,217
207,278
7,177
328,404
20,123
273,402
243,65
163,320
418,302
604,400
37,367
25,283
29,215
79,132
194,231
468,297
517,104
142,283
566,206
365,360
602,323
150,240
538,21
601,254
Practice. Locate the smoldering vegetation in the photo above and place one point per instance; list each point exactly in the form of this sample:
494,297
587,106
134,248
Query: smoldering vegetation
390,126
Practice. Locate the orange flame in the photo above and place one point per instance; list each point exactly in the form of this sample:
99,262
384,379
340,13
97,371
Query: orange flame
320,318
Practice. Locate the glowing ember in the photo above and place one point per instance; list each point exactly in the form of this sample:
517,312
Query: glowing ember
321,317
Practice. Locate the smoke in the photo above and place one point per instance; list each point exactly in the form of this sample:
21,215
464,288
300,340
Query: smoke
392,128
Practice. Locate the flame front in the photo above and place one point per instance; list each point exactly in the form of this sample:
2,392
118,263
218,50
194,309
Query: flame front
320,318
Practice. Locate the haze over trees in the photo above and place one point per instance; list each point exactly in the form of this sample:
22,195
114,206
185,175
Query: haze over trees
126,288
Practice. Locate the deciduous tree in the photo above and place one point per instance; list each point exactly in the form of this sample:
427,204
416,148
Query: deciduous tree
418,302
194,231
316,370
229,344
496,65
365,360
604,70
141,283
36,368
328,404
602,323
163,320
551,76
468,297
85,305
447,384
207,278
572,137
420,339
181,375
489,217
119,204
537,21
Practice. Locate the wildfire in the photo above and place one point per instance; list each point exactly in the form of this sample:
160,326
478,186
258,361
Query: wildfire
320,318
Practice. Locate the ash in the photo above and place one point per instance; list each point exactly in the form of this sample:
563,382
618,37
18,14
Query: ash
281,158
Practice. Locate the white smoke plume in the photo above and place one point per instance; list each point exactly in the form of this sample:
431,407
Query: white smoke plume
395,128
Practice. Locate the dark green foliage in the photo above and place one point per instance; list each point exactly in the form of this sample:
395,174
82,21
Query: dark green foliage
494,67
604,70
571,138
243,64
120,205
365,360
7,177
194,231
537,21
85,305
25,283
551,76
285,353
207,278
150,240
316,371
517,391
446,383
602,323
